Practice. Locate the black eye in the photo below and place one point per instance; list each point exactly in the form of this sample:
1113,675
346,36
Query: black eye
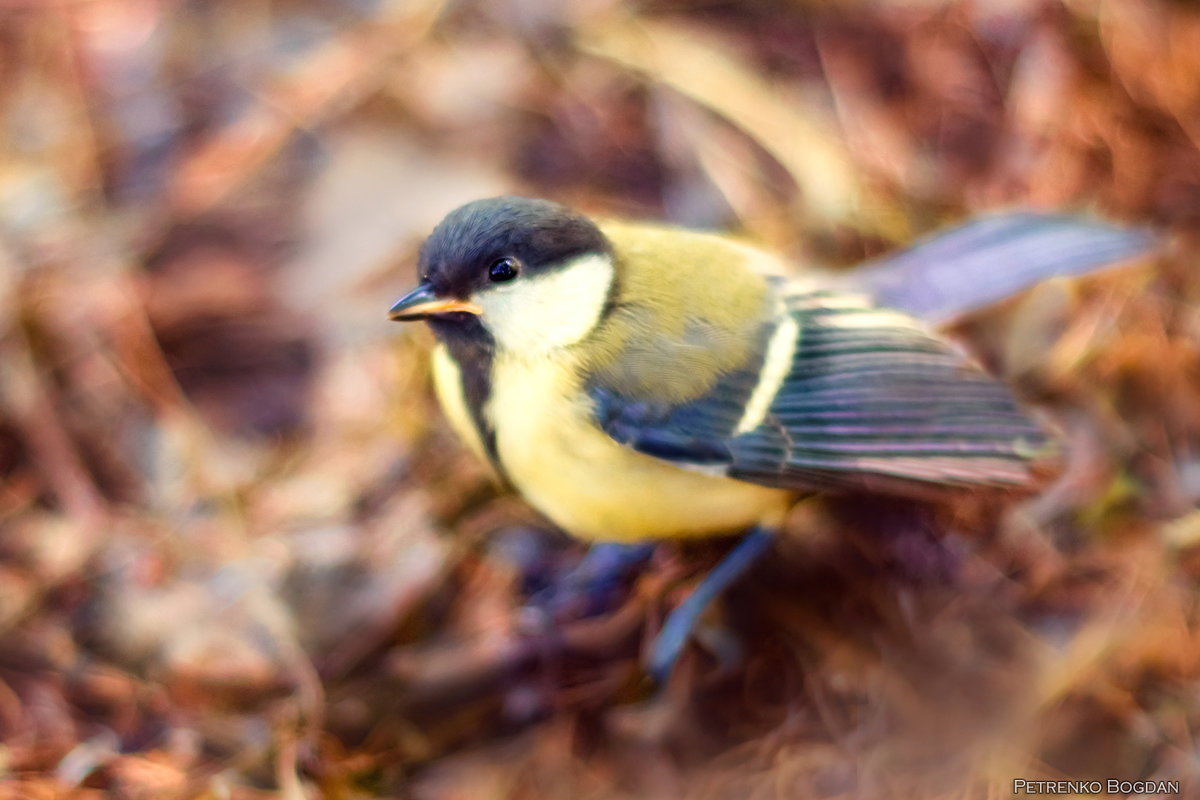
502,269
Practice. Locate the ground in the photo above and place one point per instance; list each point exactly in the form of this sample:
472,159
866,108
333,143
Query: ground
242,556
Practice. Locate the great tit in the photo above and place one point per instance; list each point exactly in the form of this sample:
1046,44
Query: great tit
638,382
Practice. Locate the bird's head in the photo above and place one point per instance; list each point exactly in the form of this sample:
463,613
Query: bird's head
530,274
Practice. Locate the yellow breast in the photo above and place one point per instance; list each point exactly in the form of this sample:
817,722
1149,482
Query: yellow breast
594,488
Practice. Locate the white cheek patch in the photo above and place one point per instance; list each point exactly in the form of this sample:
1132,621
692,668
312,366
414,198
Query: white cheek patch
538,313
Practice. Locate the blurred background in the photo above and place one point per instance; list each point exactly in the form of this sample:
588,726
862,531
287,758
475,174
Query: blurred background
241,556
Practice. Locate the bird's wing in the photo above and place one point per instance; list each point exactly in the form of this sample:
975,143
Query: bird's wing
955,272
842,395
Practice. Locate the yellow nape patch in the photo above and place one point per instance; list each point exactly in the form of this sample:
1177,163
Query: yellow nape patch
689,307
593,487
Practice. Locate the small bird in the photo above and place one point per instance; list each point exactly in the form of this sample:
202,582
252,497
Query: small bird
636,382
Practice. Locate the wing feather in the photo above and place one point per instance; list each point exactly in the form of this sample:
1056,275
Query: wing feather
869,393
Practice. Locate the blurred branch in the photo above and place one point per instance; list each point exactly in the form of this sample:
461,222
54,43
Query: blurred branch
28,401
340,74
700,69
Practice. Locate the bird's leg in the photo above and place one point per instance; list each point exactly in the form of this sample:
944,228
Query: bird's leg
682,621
586,590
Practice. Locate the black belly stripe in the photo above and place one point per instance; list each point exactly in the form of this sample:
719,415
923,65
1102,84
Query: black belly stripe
474,351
